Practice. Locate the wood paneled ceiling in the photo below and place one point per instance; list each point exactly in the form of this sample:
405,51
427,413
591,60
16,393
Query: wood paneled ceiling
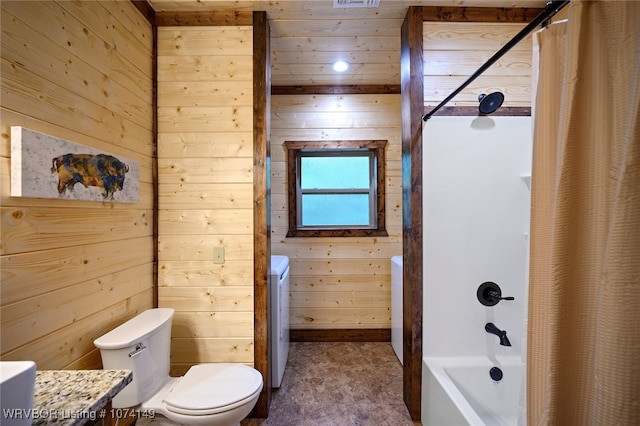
309,35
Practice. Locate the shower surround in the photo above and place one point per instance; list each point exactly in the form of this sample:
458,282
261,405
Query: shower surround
476,224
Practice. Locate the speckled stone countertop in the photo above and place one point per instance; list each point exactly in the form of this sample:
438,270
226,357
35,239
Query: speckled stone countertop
75,397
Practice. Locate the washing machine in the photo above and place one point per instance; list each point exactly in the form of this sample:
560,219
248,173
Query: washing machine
279,295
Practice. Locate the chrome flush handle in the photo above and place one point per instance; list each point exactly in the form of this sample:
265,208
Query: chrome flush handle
139,348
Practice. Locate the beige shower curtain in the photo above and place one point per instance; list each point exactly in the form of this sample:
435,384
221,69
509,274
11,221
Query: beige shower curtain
583,349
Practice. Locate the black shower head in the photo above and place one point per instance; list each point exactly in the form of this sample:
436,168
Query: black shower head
491,102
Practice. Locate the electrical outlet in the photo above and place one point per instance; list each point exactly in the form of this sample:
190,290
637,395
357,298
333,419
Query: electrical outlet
218,254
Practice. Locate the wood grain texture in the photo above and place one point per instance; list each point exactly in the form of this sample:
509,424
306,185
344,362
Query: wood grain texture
478,14
194,273
262,202
213,324
336,90
204,41
210,69
216,19
48,270
206,195
323,318
455,50
185,171
470,111
71,271
308,36
344,335
41,228
197,248
155,168
189,145
29,319
145,10
412,104
207,299
232,350
353,271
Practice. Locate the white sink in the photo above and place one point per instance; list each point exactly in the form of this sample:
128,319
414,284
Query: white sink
17,386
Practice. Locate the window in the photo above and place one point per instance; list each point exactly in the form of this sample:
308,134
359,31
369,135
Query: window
336,188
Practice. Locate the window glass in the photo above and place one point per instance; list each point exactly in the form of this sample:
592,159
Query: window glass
335,210
335,171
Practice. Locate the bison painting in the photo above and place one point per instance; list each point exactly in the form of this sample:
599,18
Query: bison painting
103,171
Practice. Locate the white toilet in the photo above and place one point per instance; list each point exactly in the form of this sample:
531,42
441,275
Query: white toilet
208,394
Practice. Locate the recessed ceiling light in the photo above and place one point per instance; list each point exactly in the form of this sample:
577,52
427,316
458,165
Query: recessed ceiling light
340,66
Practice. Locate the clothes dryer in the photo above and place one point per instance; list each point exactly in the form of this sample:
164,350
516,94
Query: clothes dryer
279,317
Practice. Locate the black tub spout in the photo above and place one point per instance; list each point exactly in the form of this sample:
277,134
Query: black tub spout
491,328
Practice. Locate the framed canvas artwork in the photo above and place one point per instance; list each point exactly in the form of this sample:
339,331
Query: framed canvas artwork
44,166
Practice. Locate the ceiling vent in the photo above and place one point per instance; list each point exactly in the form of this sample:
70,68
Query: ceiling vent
350,4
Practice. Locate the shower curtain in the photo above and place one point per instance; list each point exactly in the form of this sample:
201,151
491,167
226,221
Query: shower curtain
583,350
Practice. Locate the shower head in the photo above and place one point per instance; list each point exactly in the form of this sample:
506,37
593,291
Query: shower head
491,102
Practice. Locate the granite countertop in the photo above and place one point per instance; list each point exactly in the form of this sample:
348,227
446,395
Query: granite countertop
74,397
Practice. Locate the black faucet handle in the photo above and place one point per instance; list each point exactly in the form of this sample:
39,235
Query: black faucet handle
496,295
489,294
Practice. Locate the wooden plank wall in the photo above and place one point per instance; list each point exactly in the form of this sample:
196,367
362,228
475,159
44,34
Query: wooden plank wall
304,60
455,50
337,283
73,270
205,156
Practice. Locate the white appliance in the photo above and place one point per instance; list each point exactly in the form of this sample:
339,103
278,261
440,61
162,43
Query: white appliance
396,306
279,292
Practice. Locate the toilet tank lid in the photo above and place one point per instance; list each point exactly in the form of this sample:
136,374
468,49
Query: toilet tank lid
135,330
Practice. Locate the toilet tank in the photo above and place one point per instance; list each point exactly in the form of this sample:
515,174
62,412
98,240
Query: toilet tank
141,345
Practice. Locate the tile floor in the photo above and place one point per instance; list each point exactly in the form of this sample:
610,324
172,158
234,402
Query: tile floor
339,384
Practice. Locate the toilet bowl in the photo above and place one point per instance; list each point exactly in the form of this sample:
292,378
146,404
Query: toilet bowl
215,394
208,394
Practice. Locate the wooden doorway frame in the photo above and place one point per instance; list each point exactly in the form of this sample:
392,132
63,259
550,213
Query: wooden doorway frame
412,86
412,92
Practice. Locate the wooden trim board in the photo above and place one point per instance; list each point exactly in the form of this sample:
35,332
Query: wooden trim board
478,14
218,19
342,335
412,81
471,111
371,89
262,202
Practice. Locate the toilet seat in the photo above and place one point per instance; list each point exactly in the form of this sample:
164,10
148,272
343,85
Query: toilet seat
213,388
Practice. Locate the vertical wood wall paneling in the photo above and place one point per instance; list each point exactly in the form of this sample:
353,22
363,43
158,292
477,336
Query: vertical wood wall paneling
205,162
262,204
412,82
337,283
73,270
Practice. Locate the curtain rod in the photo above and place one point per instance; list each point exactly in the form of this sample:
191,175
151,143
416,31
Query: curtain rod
550,9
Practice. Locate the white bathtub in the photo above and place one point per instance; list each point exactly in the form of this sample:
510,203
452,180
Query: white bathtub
459,391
